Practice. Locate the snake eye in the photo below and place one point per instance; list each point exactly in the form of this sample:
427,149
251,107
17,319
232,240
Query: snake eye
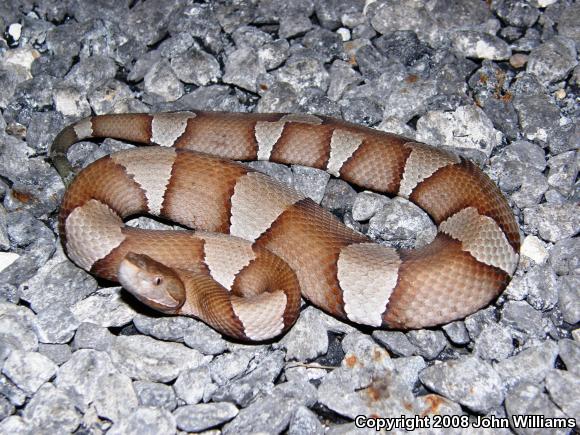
157,280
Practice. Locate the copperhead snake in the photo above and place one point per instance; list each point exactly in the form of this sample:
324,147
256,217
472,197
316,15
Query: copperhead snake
259,245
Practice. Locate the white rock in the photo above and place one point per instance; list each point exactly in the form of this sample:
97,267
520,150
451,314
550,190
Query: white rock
534,249
15,31
7,258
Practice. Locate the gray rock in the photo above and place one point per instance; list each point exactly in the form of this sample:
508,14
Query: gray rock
524,320
532,188
568,23
57,281
408,369
4,240
348,429
544,294
563,387
310,181
293,25
272,413
351,390
91,73
58,353
563,172
304,421
14,394
145,420
301,373
111,97
303,73
17,327
28,370
365,350
565,256
429,343
156,395
363,110
281,173
193,385
528,399
342,76
15,424
367,204
494,343
525,153
456,332
518,13
326,44
80,376
143,64
569,352
51,411
164,327
539,118
466,127
403,46
370,61
145,358
106,308
204,339
56,324
39,124
569,298
232,16
480,45
553,60
9,292
407,98
9,79
539,285
332,14
259,376
176,44
200,21
249,36
6,409
196,418
274,54
478,320
228,366
161,84
339,196
114,396
150,23
91,336
70,102
470,381
552,222
395,342
308,338
402,224
433,404
279,97
387,17
243,68
530,365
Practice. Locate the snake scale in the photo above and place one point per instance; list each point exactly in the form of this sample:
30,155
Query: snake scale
259,245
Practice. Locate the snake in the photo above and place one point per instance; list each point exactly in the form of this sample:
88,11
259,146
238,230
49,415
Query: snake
253,247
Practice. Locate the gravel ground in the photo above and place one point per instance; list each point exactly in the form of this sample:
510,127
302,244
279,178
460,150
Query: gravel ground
495,80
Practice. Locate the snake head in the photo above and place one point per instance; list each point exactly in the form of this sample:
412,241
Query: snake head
153,283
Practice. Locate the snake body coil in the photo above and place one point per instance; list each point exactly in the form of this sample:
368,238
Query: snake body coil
250,289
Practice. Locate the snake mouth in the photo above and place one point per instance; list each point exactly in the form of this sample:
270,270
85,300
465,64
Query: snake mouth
152,283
